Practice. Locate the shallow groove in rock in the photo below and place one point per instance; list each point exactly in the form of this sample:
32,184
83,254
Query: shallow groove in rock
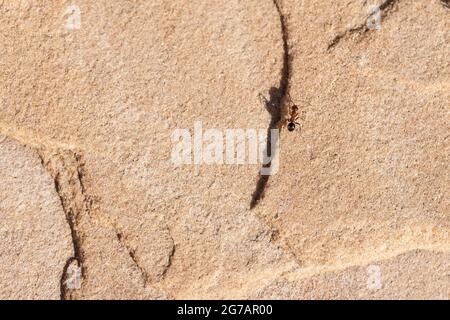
67,169
171,255
131,253
385,8
121,237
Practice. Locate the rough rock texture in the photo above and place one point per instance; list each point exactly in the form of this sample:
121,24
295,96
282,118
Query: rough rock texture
358,209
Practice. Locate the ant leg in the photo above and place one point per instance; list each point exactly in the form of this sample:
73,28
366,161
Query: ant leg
290,99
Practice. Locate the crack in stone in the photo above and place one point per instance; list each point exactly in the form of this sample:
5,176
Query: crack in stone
67,170
274,106
171,255
131,253
385,8
135,259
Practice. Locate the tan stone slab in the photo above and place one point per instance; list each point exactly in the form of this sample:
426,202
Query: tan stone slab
363,181
35,237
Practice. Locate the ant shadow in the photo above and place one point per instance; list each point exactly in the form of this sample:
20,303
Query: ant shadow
273,107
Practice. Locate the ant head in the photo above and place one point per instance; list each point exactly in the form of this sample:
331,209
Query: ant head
291,126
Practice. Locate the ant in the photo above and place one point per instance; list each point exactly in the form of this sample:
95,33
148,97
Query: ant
293,115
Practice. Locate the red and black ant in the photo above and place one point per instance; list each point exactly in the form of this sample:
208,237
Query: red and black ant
293,115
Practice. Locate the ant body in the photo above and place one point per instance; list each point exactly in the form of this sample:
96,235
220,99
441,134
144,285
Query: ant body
293,115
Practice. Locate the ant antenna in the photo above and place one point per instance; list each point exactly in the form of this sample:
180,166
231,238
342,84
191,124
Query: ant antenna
289,96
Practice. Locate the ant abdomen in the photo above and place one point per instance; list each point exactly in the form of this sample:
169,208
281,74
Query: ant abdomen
291,126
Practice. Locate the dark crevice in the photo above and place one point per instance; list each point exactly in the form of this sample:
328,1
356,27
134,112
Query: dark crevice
387,5
446,3
80,171
171,255
385,9
274,107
